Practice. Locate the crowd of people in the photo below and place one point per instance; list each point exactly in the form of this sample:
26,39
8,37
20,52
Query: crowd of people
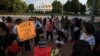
85,37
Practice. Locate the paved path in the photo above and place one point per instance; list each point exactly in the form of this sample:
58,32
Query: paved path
70,17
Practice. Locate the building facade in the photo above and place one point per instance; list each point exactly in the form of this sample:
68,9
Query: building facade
43,7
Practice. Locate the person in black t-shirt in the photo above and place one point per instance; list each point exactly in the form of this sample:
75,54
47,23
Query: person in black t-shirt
81,48
76,25
96,50
6,39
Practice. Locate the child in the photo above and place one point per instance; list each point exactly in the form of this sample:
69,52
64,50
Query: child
42,42
59,42
56,51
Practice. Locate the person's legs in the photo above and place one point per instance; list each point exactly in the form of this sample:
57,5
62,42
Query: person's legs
76,35
72,36
48,33
51,36
27,47
36,40
21,45
64,37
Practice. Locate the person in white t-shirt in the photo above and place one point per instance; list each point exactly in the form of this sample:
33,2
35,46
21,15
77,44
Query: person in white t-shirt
87,34
18,21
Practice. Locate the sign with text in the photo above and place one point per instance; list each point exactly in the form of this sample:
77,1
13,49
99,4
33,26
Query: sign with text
26,30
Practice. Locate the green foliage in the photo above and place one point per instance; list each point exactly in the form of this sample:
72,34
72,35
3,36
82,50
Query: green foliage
12,6
19,6
67,6
30,8
90,4
83,8
57,7
4,5
75,6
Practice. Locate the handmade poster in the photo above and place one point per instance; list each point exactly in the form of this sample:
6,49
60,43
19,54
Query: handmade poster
26,30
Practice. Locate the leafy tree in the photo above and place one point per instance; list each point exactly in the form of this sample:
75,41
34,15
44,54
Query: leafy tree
30,8
12,6
67,6
24,6
82,8
4,5
57,7
75,6
19,6
90,5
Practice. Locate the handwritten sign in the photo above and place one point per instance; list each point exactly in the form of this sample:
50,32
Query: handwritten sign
26,30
